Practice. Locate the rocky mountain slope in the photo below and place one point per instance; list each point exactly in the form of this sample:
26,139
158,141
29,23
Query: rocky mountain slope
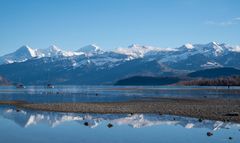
92,65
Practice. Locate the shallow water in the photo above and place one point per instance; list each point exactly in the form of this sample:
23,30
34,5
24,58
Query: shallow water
47,127
112,93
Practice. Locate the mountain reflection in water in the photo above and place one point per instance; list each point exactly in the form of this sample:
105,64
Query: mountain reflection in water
26,118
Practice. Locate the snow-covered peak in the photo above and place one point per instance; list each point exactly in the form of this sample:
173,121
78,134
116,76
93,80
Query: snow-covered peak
216,48
139,51
54,48
212,48
137,46
55,51
214,45
188,46
26,50
90,50
136,50
24,47
20,55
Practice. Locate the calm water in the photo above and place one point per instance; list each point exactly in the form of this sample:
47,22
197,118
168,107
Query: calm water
112,93
47,127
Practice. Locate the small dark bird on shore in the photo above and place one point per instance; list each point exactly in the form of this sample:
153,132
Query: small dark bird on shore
209,134
86,123
110,125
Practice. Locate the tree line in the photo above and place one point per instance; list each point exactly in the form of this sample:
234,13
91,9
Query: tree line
223,81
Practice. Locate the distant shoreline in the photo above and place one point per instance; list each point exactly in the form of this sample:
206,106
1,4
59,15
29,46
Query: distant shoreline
212,109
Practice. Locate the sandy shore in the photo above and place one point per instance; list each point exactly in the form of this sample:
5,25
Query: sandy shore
214,109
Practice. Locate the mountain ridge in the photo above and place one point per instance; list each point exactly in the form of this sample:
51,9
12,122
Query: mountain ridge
133,51
93,65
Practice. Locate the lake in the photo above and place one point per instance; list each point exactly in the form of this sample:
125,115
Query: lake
112,93
47,127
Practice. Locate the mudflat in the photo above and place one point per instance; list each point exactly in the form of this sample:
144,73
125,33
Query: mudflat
213,109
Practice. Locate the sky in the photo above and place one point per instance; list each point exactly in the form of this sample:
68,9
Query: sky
72,24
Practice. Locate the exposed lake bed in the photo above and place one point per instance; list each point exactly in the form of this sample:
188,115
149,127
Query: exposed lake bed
215,109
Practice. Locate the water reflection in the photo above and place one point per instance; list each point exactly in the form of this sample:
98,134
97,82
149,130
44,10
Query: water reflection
27,118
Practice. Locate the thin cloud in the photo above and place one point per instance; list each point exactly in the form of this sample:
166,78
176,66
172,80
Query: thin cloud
237,18
222,23
230,22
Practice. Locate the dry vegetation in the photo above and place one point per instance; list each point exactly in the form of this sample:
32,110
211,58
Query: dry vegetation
225,81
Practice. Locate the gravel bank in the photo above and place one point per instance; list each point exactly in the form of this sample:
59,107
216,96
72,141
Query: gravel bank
214,109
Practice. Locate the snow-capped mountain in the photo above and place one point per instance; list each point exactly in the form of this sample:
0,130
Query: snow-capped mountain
92,65
54,51
90,50
138,51
197,56
22,54
133,51
25,53
210,49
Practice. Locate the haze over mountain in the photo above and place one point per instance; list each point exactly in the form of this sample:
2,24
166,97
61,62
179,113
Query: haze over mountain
92,65
3,81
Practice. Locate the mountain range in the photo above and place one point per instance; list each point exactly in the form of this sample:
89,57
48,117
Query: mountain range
93,65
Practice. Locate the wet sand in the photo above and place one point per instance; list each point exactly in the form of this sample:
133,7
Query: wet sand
213,109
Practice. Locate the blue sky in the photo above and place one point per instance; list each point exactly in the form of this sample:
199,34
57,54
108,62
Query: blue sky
71,24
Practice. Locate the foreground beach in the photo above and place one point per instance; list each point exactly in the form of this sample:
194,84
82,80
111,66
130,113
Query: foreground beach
213,109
